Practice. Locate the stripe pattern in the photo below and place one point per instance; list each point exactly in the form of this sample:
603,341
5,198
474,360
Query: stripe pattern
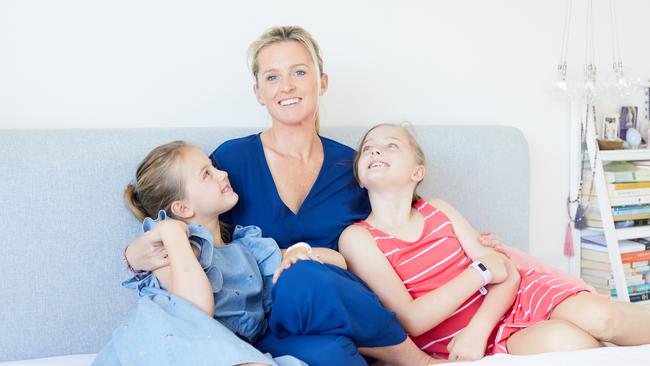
437,257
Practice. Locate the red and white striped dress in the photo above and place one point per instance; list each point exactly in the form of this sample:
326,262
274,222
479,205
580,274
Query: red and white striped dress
437,257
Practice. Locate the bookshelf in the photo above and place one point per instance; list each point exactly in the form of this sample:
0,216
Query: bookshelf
622,269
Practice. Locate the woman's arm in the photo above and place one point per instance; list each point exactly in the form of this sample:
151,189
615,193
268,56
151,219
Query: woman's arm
323,255
184,276
416,315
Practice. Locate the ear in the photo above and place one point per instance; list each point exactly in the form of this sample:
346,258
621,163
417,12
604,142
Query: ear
324,83
181,210
257,94
418,173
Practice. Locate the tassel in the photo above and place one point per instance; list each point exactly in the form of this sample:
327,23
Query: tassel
568,241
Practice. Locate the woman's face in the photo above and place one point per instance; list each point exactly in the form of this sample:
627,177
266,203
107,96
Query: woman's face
287,83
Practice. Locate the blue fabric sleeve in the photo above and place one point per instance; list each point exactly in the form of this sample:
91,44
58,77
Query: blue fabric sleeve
266,253
200,237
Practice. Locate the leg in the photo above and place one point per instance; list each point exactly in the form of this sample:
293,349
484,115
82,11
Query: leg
311,298
550,336
315,350
607,320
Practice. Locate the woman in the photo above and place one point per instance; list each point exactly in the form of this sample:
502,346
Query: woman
299,187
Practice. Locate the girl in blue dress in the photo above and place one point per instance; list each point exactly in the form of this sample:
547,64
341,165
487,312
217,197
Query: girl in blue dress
180,195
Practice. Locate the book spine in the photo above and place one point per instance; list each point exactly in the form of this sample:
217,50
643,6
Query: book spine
640,297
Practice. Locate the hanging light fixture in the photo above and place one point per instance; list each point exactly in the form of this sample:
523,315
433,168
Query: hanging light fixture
620,85
562,85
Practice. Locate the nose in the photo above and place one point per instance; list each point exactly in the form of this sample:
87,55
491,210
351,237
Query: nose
287,84
221,175
375,151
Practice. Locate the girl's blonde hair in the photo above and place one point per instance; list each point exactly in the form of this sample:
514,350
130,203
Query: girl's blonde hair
418,154
158,183
284,34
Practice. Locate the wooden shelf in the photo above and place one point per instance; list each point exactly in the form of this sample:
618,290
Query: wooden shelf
622,155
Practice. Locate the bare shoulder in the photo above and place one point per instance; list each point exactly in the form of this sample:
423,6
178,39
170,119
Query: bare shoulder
353,238
442,205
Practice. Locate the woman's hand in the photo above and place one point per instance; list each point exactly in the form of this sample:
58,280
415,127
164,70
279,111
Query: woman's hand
147,252
293,255
468,345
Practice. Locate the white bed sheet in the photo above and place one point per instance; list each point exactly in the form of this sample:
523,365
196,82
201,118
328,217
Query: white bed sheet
606,356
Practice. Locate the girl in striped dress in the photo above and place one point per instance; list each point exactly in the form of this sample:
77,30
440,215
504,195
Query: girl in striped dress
456,298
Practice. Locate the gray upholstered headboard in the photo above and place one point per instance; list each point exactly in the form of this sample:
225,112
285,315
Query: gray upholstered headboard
64,225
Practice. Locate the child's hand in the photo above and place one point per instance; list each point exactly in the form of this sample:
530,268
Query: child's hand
487,239
293,255
468,345
496,265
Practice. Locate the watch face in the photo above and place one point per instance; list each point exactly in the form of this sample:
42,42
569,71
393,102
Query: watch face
482,267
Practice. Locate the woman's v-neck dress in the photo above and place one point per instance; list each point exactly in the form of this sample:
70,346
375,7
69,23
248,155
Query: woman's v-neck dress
334,202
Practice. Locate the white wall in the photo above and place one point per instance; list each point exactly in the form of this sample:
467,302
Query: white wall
161,63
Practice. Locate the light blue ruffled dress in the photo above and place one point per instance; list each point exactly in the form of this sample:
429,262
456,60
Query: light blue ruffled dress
165,329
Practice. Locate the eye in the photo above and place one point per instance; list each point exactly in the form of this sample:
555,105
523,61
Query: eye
300,73
206,173
365,148
392,145
271,77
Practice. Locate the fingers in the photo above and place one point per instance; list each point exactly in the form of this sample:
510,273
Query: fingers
450,348
277,273
159,257
316,258
289,261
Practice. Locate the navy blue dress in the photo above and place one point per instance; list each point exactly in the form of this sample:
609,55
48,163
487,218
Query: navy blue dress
321,313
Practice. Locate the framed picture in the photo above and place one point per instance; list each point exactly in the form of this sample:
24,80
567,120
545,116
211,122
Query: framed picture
627,119
610,128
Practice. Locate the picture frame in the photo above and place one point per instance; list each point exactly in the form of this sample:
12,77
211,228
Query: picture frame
610,128
628,119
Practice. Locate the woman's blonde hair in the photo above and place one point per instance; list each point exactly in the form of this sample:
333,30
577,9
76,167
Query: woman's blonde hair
418,154
284,34
158,183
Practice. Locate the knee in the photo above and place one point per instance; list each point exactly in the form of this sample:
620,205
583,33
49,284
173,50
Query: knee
566,336
605,318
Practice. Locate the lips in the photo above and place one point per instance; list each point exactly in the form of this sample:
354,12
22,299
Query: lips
227,188
378,164
289,101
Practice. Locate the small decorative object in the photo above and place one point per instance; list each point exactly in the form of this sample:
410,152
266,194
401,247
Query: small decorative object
628,120
579,221
610,128
633,137
610,144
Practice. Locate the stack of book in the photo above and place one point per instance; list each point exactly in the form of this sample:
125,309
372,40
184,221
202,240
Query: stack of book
635,256
628,188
